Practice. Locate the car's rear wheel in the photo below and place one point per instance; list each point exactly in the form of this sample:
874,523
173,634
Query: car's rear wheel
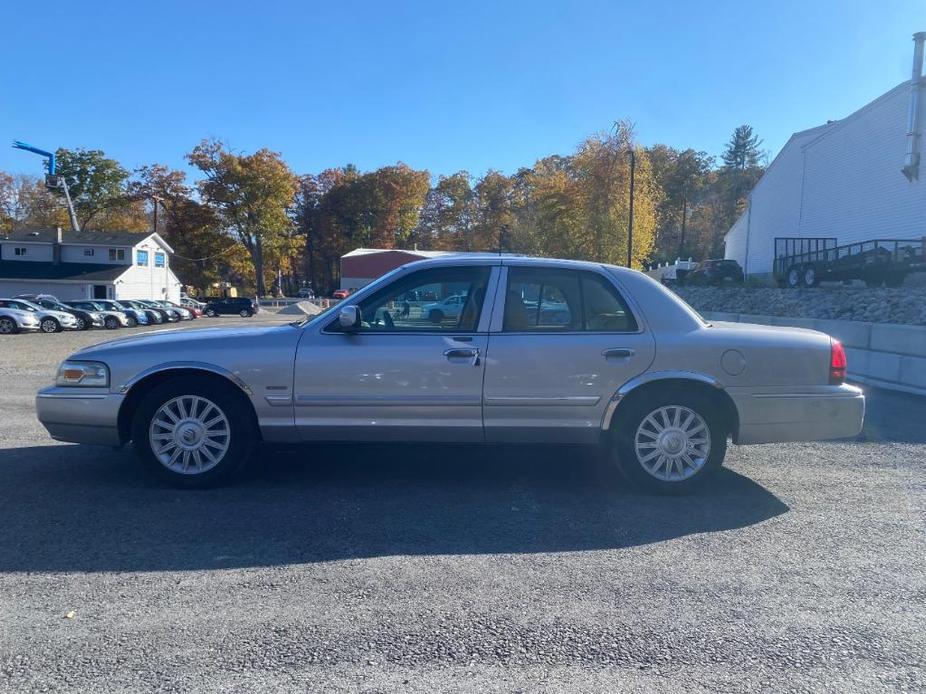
50,325
8,326
82,323
436,316
133,323
669,442
793,277
193,432
245,313
211,312
111,322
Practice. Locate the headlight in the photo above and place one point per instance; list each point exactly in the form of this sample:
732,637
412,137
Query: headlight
82,373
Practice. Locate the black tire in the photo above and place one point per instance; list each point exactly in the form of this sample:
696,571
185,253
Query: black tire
242,436
245,313
873,279
211,312
111,322
793,277
435,316
8,326
132,322
50,325
894,279
82,323
632,415
809,276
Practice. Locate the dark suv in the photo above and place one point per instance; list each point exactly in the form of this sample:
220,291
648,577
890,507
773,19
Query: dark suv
243,306
714,272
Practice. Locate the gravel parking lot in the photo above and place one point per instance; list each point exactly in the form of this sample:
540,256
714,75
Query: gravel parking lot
423,569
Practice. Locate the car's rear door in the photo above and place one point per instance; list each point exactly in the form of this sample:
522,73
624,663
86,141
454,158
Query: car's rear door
405,374
565,340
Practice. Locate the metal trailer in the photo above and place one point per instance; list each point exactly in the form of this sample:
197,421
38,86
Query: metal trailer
805,262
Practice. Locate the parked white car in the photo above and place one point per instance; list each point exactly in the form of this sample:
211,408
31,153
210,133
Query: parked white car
50,320
622,363
14,320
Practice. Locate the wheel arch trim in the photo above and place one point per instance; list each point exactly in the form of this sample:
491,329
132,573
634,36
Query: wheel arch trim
175,365
653,377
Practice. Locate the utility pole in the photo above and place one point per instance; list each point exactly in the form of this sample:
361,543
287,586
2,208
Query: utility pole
155,200
633,163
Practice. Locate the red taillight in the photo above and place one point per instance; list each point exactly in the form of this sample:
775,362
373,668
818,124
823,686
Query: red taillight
837,363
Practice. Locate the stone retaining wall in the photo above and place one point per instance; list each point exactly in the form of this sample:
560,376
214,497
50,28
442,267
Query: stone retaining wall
880,354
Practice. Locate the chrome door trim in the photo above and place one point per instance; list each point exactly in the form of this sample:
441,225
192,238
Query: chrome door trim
568,400
399,401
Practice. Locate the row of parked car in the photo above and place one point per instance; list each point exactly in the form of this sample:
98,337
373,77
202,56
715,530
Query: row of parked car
46,313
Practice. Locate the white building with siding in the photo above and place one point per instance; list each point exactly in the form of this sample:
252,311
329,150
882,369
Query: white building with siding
844,180
87,265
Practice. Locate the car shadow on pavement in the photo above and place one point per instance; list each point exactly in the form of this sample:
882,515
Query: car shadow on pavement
81,508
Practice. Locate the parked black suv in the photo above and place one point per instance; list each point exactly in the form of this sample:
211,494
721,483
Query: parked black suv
714,272
243,306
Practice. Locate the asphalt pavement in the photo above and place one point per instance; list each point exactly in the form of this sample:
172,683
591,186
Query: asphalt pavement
423,569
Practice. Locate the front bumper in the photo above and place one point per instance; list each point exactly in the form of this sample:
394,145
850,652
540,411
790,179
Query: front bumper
80,415
815,413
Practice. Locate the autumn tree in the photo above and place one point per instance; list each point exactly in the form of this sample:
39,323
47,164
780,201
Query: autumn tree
98,189
251,195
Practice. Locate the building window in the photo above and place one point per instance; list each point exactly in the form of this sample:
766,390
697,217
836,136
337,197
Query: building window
117,254
88,251
159,260
19,251
141,259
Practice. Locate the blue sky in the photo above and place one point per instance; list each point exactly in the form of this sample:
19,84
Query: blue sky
441,86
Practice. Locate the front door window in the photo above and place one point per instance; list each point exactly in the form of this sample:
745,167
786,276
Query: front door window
439,300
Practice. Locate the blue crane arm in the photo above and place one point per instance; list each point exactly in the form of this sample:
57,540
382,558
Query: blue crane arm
48,155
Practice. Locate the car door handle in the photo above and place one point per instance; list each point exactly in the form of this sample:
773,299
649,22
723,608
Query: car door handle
617,353
463,353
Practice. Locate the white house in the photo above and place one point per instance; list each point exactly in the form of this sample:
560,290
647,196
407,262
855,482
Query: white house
850,180
87,265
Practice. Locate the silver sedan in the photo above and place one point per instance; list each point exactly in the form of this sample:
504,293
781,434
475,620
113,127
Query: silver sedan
541,351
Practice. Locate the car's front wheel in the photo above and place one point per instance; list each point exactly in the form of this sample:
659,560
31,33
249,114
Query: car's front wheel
670,443
245,313
8,326
82,323
193,432
111,322
132,321
211,312
50,325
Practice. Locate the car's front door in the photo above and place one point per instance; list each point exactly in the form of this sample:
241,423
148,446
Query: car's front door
406,373
564,343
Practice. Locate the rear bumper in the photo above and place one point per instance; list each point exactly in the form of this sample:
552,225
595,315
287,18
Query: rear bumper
80,415
776,415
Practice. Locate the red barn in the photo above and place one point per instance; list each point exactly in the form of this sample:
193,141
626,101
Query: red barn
363,265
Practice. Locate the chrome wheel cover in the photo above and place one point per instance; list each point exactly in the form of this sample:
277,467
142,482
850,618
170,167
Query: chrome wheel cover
6,326
672,443
49,326
189,435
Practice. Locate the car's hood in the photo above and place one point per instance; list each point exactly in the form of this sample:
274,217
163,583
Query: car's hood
165,340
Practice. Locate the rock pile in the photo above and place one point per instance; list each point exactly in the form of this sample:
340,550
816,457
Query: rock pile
901,305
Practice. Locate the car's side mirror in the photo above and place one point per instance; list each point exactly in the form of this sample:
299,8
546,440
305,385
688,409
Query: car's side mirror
349,318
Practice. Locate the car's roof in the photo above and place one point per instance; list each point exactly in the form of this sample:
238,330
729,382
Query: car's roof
511,260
